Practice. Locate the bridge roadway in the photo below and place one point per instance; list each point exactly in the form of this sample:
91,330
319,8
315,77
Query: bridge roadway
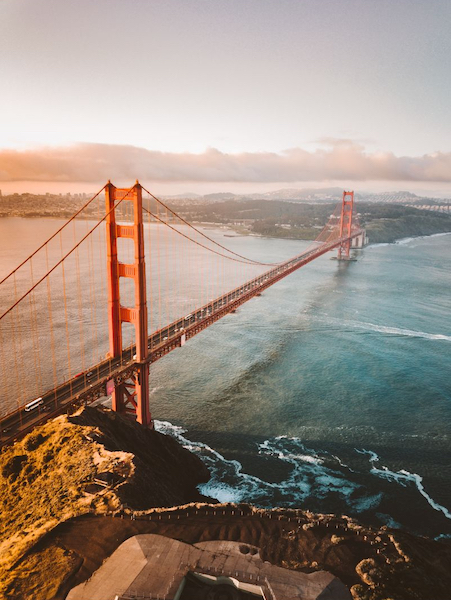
91,385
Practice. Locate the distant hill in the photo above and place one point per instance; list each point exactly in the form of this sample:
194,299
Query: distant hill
401,197
304,194
186,196
316,195
221,196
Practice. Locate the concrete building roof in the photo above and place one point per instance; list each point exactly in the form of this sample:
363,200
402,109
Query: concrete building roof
153,566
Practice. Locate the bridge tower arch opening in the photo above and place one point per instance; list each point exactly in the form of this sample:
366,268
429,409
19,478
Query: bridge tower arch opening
131,394
347,208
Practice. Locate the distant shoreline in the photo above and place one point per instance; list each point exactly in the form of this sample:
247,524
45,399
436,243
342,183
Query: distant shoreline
393,243
404,240
239,231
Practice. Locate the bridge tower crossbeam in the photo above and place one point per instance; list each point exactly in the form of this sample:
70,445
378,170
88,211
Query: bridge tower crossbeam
131,395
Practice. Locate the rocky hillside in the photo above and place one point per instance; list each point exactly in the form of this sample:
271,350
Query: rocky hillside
60,470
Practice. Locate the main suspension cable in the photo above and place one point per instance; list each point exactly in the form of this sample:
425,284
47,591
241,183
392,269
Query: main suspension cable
53,236
64,257
248,260
245,261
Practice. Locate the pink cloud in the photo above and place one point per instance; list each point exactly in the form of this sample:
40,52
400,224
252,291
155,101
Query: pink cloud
340,160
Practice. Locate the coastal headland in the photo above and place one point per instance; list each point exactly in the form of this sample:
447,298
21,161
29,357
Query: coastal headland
76,488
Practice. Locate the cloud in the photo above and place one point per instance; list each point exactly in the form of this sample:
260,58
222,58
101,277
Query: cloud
339,160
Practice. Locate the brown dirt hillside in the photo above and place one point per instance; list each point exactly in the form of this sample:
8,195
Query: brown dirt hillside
48,477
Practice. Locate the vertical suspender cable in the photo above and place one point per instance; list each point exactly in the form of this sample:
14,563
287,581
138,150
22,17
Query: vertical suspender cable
167,274
35,329
66,318
158,271
21,378
93,304
16,366
52,336
149,273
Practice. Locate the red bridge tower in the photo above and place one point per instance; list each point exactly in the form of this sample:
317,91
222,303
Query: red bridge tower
132,394
347,206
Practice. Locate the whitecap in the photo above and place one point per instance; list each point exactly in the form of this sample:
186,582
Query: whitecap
403,477
373,456
388,520
366,502
222,492
269,448
340,462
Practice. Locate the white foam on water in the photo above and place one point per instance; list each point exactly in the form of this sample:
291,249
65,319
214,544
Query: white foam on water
404,241
244,486
268,448
221,492
389,521
340,462
366,502
439,234
168,428
373,456
408,240
403,478
309,477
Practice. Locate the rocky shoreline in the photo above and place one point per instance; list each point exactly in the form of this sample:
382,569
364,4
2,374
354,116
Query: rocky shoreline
152,489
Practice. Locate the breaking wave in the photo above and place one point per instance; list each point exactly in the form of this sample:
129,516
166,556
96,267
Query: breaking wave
403,478
317,480
310,478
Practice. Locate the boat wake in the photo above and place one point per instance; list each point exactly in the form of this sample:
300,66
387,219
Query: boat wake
388,330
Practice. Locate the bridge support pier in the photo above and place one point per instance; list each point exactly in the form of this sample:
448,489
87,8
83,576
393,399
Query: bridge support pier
130,396
359,242
347,206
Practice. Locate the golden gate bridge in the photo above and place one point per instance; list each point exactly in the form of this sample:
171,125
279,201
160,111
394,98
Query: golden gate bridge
72,332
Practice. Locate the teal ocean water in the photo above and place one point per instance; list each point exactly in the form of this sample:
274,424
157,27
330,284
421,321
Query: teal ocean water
331,392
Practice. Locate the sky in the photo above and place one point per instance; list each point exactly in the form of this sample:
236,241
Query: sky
225,95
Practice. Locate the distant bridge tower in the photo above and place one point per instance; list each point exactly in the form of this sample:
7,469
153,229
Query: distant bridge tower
347,207
130,395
